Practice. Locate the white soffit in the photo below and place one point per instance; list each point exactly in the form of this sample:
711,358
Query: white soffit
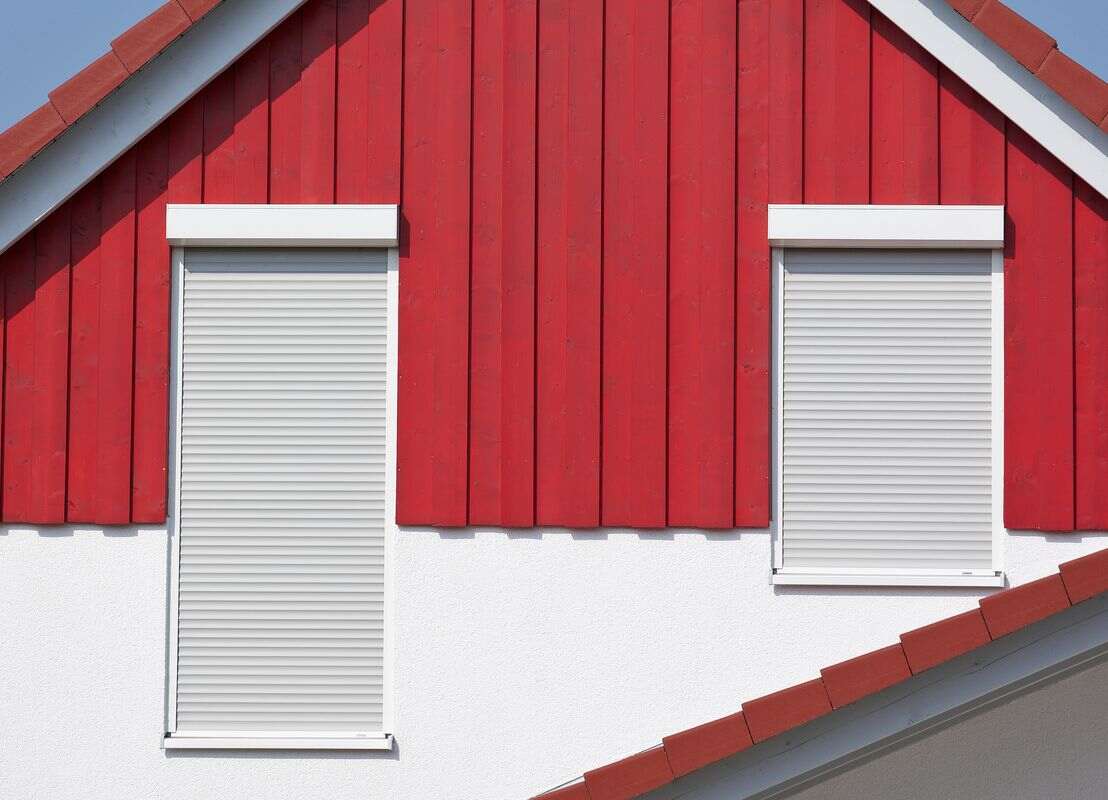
146,98
1004,82
281,225
886,226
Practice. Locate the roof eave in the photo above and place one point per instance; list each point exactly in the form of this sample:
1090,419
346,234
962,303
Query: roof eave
998,77
1059,645
135,108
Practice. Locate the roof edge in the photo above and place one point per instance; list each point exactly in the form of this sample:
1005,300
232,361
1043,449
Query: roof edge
996,75
137,106
1060,645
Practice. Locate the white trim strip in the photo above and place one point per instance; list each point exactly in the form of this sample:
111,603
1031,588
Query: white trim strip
782,578
177,742
886,226
281,225
130,112
1004,82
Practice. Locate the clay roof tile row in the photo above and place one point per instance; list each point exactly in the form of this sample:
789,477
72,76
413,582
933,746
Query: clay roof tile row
998,614
1037,51
68,102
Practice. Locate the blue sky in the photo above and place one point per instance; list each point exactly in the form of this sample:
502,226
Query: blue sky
44,42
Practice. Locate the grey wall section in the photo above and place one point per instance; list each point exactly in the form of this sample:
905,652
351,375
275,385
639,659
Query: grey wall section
1049,743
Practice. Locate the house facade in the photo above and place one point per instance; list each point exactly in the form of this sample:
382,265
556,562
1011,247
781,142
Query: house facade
424,399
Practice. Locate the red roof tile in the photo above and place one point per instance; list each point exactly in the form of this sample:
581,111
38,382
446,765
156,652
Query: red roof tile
1024,42
789,708
852,680
88,87
147,38
841,684
1086,91
197,8
25,138
1086,577
630,777
967,8
941,641
697,747
575,791
1013,609
1038,52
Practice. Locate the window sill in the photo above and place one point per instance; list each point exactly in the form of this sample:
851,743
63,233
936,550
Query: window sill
989,580
184,742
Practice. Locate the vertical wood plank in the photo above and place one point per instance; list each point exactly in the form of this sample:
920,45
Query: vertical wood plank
770,168
633,417
434,290
702,240
285,111
502,325
84,354
836,101
219,139
164,173
19,379
251,125
370,67
319,42
785,102
354,65
571,81
1038,319
386,79
1090,253
51,369
904,118
116,339
971,145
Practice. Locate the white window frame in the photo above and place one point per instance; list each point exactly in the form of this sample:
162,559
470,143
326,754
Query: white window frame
348,226
891,227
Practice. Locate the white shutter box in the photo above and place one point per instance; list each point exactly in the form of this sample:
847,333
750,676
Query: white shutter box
886,452
281,492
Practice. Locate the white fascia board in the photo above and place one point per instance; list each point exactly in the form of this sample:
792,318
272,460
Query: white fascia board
134,109
1007,84
886,226
281,225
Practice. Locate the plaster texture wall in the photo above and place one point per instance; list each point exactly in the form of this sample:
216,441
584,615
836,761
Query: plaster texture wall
522,658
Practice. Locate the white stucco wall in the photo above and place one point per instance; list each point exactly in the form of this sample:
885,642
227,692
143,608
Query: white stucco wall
522,658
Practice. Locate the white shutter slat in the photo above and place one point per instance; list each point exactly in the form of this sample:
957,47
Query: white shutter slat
886,453
282,491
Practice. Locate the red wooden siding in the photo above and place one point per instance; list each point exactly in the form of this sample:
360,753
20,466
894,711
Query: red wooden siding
701,437
633,321
1038,351
502,271
836,101
433,404
567,397
1090,289
585,287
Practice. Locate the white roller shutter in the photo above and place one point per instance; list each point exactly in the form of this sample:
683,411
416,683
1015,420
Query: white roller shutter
281,492
887,441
